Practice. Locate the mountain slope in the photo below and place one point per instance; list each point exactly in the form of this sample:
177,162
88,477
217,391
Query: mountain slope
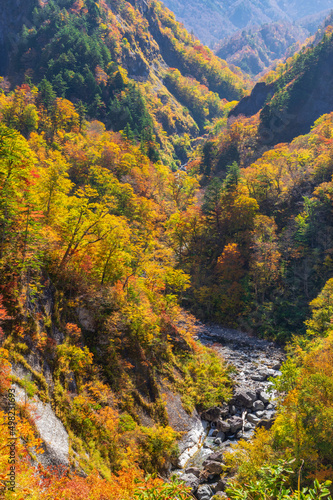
212,20
296,98
255,50
113,57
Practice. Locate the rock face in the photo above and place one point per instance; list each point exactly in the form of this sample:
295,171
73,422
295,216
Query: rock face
192,441
250,105
50,430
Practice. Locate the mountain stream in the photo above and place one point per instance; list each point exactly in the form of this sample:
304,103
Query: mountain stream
254,361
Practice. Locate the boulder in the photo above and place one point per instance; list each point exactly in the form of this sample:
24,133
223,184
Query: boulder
253,419
258,405
233,410
190,480
212,414
213,467
248,426
204,492
244,398
260,413
215,457
266,423
193,470
215,413
223,426
264,397
236,423
220,485
218,441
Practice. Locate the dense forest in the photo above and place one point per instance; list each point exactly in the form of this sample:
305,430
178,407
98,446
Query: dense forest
256,50
137,198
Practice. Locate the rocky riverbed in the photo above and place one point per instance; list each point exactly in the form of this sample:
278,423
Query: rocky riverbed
253,405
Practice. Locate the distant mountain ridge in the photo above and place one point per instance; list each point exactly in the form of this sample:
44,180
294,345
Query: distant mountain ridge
212,20
291,103
254,50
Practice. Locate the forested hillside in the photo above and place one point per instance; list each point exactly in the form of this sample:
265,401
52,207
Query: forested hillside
111,60
131,207
255,50
293,96
211,21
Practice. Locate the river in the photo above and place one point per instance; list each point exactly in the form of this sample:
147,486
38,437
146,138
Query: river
253,404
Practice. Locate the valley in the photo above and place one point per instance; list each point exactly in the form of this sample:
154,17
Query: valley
166,251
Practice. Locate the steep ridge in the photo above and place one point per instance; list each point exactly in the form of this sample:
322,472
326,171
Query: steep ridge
113,57
293,101
254,50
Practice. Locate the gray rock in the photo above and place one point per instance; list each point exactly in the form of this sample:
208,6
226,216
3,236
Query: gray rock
213,467
244,398
193,470
218,441
270,407
220,485
216,457
248,435
264,397
223,426
248,426
253,418
258,377
266,423
190,480
221,494
215,432
258,405
204,492
212,414
260,413
236,423
50,429
233,410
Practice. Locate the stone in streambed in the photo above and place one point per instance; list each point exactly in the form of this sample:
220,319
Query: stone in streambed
236,423
204,492
266,423
215,457
252,418
220,485
223,426
213,467
244,398
264,397
190,480
258,405
193,470
215,413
